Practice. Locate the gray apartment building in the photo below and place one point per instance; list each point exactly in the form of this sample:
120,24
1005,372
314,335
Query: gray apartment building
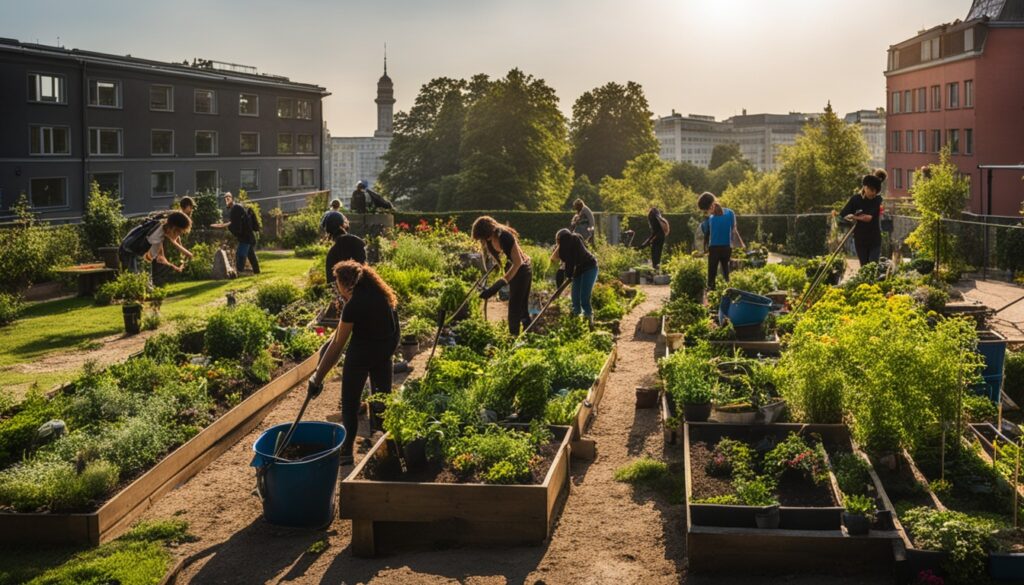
150,130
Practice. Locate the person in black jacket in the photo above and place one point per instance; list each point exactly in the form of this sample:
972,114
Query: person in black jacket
580,266
369,324
345,247
865,209
239,225
495,239
659,231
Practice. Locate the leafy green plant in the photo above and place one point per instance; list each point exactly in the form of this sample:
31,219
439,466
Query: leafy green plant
302,344
311,251
478,334
276,295
852,474
39,484
102,220
510,451
128,287
690,377
234,332
200,267
31,251
689,278
794,454
858,505
10,308
967,539
401,418
419,328
756,491
301,229
561,410
18,431
930,297
642,470
731,458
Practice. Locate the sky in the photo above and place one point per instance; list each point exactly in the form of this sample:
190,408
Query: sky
711,57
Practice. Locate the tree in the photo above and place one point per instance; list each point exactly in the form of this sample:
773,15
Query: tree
693,177
102,221
731,173
647,180
583,189
611,125
723,153
939,191
757,193
514,148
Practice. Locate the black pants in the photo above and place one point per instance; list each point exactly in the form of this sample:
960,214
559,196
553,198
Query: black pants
868,249
718,255
519,300
353,378
657,245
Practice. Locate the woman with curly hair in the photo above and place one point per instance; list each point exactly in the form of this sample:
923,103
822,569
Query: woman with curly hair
496,239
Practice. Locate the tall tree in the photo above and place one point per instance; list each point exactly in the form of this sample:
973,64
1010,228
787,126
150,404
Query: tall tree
939,192
611,125
723,153
514,148
647,180
757,193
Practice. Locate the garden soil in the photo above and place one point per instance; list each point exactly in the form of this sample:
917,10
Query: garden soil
607,532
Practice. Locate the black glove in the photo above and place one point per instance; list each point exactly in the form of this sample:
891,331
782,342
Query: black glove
493,289
314,388
559,277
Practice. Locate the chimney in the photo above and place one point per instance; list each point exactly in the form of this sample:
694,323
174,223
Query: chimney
744,111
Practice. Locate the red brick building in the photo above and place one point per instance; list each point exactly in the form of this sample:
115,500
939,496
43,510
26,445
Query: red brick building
962,85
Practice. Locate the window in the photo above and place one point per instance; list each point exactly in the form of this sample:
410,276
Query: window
205,101
249,142
910,179
936,140
954,96
206,142
109,183
922,100
284,178
304,109
922,141
285,108
894,141
969,93
936,97
285,143
954,141
907,105
909,141
305,177
250,180
968,141
930,49
48,192
46,88
161,142
304,144
248,104
206,182
104,94
161,98
49,140
969,39
898,173
896,102
162,183
105,141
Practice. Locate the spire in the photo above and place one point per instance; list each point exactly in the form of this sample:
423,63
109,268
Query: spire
385,101
385,58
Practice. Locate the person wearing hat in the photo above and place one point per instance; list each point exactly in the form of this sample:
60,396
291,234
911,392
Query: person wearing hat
865,210
334,208
719,230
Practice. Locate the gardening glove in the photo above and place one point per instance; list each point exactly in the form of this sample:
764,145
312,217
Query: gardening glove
314,388
559,277
493,289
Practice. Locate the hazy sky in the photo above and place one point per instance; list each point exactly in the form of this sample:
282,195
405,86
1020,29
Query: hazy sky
695,56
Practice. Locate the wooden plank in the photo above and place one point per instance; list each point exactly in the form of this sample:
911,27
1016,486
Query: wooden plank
687,479
588,407
363,544
172,575
47,528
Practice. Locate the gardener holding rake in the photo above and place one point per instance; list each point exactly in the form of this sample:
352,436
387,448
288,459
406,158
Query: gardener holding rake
581,267
865,210
496,238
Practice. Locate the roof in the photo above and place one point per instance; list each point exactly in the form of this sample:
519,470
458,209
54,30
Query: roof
202,69
997,10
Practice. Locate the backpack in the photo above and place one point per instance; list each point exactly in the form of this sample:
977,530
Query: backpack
135,242
254,219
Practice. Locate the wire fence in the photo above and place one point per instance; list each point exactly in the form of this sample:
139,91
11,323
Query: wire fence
992,246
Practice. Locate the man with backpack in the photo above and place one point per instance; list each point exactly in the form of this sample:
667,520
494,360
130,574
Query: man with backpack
244,225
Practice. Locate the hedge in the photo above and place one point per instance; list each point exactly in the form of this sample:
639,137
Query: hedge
536,226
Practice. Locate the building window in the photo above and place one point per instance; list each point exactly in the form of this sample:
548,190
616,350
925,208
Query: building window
249,180
304,109
285,108
936,97
969,93
894,141
909,142
49,140
954,141
104,94
248,104
105,141
206,142
161,98
895,102
304,144
161,142
907,105
968,141
205,101
109,183
910,180
249,142
953,101
898,173
48,192
206,182
306,177
162,183
930,49
969,39
47,89
284,178
285,143
936,140
922,100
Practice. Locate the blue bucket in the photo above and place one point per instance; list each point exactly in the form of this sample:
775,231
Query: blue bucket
992,347
743,308
299,493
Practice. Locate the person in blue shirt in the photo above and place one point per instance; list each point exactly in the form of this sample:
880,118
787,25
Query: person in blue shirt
719,229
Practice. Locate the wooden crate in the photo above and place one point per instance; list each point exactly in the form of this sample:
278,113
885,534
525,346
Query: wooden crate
120,511
391,513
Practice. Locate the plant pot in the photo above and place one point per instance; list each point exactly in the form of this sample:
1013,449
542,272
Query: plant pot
768,517
415,454
410,349
771,412
650,324
674,341
109,257
662,279
736,417
696,412
647,397
132,318
629,277
856,524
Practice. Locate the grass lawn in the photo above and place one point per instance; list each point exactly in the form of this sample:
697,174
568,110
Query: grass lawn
71,324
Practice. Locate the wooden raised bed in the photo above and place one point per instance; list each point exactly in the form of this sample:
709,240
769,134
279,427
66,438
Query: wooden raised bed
120,511
469,513
811,538
767,347
588,409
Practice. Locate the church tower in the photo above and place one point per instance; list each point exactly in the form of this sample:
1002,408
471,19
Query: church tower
385,102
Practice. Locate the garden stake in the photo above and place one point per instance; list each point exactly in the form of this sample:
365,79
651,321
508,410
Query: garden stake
942,455
442,322
820,275
1016,483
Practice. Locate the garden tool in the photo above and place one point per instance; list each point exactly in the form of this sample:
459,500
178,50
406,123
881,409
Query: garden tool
442,322
280,444
558,293
820,275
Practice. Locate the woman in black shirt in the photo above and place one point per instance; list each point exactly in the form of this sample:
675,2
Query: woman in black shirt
580,266
497,239
866,210
659,231
345,247
369,323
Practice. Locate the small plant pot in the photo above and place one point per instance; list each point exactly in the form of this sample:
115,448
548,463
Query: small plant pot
674,341
771,412
856,524
697,412
415,454
629,277
132,318
768,517
662,279
410,349
650,324
647,397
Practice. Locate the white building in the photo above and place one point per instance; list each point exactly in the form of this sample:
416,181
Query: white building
354,159
690,138
872,125
762,136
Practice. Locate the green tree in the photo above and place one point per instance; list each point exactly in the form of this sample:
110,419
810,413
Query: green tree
693,177
611,125
731,173
102,221
939,191
723,153
757,193
647,180
514,148
583,189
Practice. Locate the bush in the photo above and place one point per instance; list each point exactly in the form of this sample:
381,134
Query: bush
808,236
276,295
55,486
612,260
967,539
498,455
311,251
1013,373
407,283
207,210
852,474
128,287
301,229
517,382
303,344
102,221
30,252
18,432
200,267
478,334
540,261
689,278
10,308
237,332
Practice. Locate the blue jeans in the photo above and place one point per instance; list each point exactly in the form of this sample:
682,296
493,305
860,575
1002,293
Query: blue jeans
582,291
246,251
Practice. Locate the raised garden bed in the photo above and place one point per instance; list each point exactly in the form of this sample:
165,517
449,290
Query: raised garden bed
768,347
588,408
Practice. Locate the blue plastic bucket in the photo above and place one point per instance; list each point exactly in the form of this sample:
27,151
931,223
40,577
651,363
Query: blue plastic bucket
743,308
992,347
299,493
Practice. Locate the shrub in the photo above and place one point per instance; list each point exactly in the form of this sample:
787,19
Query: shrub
102,221
858,505
30,252
301,229
756,491
310,251
689,376
207,210
540,261
689,279
808,236
418,327
788,277
55,486
409,251
163,348
10,308
478,334
200,267
606,304
615,259
453,291
236,332
517,382
509,451
407,283
142,374
930,297
275,295
128,287
852,474
18,432
303,344
642,470
967,539
561,410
